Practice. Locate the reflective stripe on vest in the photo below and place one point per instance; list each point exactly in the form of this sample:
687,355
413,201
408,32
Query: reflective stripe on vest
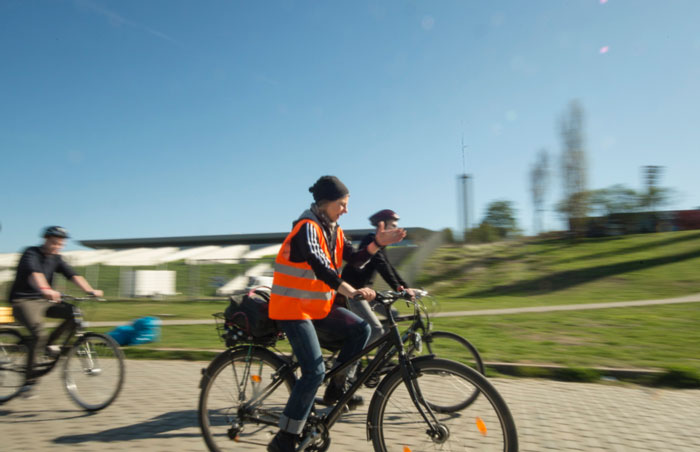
296,292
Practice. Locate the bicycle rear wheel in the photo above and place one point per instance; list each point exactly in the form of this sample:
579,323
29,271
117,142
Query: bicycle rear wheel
395,424
227,418
93,373
446,345
13,362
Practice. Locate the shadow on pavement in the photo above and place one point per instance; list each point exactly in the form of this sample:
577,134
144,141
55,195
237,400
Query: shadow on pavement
163,426
23,417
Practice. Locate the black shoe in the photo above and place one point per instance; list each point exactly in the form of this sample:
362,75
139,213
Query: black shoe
283,442
334,392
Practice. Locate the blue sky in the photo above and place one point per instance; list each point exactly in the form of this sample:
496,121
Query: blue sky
129,118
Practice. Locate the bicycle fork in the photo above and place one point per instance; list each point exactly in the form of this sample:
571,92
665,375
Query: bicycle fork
435,430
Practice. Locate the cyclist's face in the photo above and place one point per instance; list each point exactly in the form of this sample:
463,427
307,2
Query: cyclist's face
391,224
54,245
335,209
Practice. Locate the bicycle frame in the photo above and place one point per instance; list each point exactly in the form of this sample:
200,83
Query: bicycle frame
72,336
388,344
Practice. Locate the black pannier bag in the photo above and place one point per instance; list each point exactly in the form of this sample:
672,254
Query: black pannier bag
249,312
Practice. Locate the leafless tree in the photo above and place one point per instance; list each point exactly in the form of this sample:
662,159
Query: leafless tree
539,181
574,206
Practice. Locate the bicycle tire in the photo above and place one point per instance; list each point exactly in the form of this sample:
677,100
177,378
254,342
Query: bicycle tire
446,345
93,373
13,363
219,415
395,424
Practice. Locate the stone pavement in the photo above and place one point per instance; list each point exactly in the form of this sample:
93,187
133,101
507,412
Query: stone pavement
157,411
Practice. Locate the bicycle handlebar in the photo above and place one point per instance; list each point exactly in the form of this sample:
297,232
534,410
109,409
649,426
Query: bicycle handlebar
391,296
66,297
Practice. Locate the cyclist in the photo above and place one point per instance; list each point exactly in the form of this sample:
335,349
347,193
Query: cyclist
32,297
364,276
304,283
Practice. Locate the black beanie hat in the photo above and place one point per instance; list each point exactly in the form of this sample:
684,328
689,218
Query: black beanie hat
328,188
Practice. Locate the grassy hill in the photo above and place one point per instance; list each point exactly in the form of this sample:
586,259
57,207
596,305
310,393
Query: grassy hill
547,272
553,272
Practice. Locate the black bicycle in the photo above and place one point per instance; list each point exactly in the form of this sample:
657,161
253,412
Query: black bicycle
245,388
93,369
420,339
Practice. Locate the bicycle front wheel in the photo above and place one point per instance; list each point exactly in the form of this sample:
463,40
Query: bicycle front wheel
395,423
446,345
93,373
13,362
244,392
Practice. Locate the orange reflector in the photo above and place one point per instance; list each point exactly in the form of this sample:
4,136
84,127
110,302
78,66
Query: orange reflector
481,426
256,378
406,449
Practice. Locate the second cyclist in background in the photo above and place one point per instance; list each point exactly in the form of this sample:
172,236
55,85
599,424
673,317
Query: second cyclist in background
364,276
33,298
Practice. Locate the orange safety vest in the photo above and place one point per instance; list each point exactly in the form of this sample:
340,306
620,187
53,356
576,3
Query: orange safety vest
296,292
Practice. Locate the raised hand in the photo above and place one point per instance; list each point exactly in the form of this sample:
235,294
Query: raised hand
389,237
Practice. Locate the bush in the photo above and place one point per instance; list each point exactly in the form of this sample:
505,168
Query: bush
679,377
485,233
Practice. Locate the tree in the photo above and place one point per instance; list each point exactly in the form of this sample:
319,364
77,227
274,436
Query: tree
575,205
654,196
501,216
615,199
539,178
484,233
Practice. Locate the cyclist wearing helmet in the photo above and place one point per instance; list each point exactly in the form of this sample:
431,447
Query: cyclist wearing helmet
306,278
364,276
32,297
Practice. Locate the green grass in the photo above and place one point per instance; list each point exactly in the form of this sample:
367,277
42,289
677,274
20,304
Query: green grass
166,310
552,272
655,337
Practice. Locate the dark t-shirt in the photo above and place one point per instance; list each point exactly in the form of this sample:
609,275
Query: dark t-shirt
35,261
359,277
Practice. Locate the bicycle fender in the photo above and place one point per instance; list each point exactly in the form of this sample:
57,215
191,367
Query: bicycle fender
378,393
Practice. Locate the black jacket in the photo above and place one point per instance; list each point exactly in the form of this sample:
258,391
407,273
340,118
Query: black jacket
305,247
359,277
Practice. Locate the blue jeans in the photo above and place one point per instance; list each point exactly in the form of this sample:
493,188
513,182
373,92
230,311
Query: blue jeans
341,325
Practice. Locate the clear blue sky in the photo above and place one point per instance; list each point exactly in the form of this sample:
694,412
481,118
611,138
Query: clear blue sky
132,118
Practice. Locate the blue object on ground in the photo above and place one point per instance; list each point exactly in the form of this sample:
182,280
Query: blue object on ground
123,334
147,329
141,331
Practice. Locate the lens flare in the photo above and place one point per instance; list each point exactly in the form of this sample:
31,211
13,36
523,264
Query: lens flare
604,49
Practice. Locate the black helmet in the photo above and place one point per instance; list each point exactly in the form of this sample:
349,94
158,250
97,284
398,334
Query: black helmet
56,231
383,215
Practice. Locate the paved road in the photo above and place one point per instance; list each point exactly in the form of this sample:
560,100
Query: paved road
157,412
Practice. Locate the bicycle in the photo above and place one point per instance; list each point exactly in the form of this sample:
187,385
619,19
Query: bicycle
245,388
420,339
93,371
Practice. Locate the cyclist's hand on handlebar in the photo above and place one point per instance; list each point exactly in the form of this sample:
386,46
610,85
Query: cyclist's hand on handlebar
410,293
51,295
97,293
365,293
390,236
